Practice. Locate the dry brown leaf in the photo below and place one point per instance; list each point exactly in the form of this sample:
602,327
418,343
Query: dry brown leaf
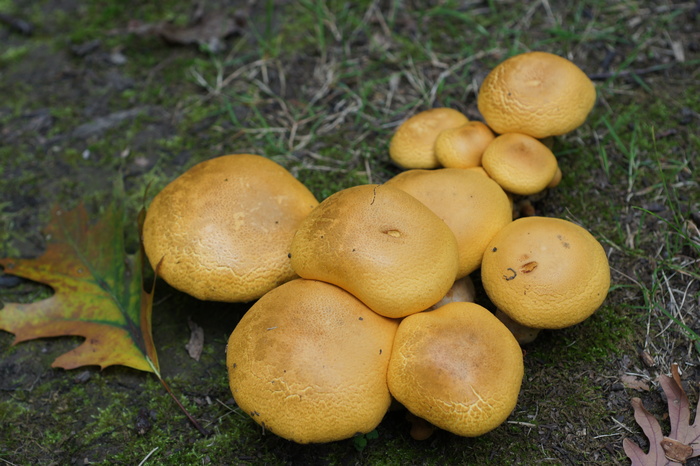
205,29
635,383
682,443
196,344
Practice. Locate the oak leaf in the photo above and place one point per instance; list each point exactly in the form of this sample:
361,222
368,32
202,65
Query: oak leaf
682,443
98,293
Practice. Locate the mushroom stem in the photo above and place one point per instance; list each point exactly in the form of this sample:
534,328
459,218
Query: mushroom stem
523,334
420,428
462,291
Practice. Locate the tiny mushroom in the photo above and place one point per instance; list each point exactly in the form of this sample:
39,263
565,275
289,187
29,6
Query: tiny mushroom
536,93
519,163
382,245
308,363
221,231
463,146
545,273
413,143
472,205
458,367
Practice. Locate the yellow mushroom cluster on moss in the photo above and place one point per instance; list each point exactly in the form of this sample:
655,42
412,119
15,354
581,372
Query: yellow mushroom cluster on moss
366,297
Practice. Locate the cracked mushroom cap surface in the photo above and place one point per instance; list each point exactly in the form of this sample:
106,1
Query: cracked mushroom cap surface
382,245
413,143
536,93
545,273
223,228
458,367
472,205
308,363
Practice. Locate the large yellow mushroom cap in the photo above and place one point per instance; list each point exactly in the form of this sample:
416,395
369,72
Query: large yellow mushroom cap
473,205
458,367
308,362
223,228
545,273
536,93
413,143
382,245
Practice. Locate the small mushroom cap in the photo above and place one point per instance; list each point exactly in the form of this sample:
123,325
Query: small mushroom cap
462,147
458,367
519,163
545,273
556,179
308,362
536,93
413,143
472,205
223,228
382,245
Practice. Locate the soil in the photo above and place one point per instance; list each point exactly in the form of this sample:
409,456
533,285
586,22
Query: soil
74,116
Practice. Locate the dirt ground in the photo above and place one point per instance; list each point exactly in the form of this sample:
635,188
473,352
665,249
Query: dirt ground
78,109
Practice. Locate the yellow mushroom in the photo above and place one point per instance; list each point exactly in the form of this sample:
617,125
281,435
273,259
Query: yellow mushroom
382,245
536,93
462,147
223,228
545,273
413,143
472,205
458,367
308,363
519,163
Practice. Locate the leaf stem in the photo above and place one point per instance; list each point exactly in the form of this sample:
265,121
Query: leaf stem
194,422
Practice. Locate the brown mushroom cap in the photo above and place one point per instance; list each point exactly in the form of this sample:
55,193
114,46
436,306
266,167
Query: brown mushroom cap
519,163
413,143
536,93
382,245
462,147
472,205
458,367
308,363
545,273
223,228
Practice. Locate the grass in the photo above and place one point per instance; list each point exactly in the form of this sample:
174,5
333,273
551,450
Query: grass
319,87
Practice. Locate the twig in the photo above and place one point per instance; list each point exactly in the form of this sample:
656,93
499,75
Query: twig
617,74
143,461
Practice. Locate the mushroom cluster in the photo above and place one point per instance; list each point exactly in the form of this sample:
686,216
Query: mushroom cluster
365,300
525,101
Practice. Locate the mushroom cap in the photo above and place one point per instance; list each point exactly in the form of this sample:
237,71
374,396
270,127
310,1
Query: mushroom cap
556,179
458,367
545,273
308,362
382,245
223,228
472,205
463,146
536,93
413,143
519,163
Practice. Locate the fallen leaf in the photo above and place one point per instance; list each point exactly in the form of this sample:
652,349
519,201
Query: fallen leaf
196,344
98,292
205,29
675,450
635,383
682,443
